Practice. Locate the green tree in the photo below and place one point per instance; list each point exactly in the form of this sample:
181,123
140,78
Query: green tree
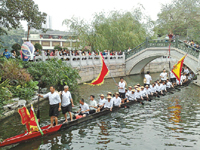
38,46
58,47
16,46
14,11
179,17
116,31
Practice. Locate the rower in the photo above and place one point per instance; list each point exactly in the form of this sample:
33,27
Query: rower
129,89
117,100
126,97
135,87
148,78
138,85
169,84
101,104
172,77
158,88
183,78
84,109
164,87
148,90
186,71
138,94
143,92
108,103
93,105
163,75
153,90
121,87
55,104
67,103
132,96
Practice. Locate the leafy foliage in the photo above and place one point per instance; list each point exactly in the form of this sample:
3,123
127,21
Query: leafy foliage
55,73
16,46
58,47
179,17
38,46
116,31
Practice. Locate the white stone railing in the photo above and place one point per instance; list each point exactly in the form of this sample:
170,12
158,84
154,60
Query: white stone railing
84,60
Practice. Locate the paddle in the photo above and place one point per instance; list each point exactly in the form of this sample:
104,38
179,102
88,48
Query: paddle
38,111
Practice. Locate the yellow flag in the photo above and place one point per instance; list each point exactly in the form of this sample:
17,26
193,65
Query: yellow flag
178,68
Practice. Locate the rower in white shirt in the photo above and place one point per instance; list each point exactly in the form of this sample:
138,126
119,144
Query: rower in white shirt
163,75
126,97
148,90
163,87
116,100
169,84
158,88
129,89
183,78
101,104
93,105
138,94
144,92
153,90
186,71
84,109
108,103
131,96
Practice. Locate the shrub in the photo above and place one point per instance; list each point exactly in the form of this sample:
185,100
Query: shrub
58,47
38,46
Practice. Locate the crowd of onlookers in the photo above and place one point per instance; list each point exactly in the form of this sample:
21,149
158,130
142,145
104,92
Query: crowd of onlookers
8,54
192,44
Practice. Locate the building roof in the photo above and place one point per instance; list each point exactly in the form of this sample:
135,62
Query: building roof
57,32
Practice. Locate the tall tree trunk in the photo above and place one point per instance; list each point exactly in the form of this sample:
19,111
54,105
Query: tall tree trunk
28,32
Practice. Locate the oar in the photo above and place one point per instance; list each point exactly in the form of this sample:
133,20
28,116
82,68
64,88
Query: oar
38,111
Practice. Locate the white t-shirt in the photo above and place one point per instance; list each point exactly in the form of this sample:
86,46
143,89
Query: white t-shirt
84,107
66,96
138,95
122,85
53,98
153,89
163,76
93,103
186,71
183,78
108,104
132,97
148,78
143,93
158,88
129,92
172,75
116,101
163,87
168,84
102,101
148,91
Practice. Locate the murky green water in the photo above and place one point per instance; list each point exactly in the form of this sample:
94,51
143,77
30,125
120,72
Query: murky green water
171,122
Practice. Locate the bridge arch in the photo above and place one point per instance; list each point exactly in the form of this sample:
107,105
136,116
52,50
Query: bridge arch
136,62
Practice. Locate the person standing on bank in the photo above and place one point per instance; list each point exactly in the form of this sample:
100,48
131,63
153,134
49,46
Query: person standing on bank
67,103
55,104
148,79
121,87
163,76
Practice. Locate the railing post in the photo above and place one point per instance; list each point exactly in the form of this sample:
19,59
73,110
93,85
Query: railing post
80,56
70,54
124,54
176,41
108,57
43,56
147,42
87,57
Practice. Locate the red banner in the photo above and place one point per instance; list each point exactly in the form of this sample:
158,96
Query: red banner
104,71
33,124
25,116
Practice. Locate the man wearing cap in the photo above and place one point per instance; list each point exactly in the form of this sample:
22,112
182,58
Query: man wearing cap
129,89
55,104
132,96
148,90
108,103
121,87
117,100
148,78
163,75
135,87
67,103
93,105
101,104
144,92
84,108
138,94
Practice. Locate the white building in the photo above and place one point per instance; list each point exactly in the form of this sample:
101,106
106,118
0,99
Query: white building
50,39
48,24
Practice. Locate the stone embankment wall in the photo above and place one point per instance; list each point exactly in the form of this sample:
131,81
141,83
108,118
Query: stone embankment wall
89,73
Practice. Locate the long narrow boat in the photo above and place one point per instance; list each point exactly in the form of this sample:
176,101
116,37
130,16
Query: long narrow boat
46,130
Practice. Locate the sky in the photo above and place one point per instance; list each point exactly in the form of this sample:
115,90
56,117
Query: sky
60,10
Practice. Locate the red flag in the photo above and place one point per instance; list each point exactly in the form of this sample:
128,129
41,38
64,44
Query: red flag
104,72
25,116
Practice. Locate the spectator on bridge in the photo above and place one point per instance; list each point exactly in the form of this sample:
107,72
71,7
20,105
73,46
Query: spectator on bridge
52,53
14,55
6,54
37,52
48,52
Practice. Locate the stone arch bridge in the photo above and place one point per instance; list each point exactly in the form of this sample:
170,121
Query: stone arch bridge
139,57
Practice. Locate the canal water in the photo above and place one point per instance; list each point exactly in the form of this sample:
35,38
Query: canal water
171,122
